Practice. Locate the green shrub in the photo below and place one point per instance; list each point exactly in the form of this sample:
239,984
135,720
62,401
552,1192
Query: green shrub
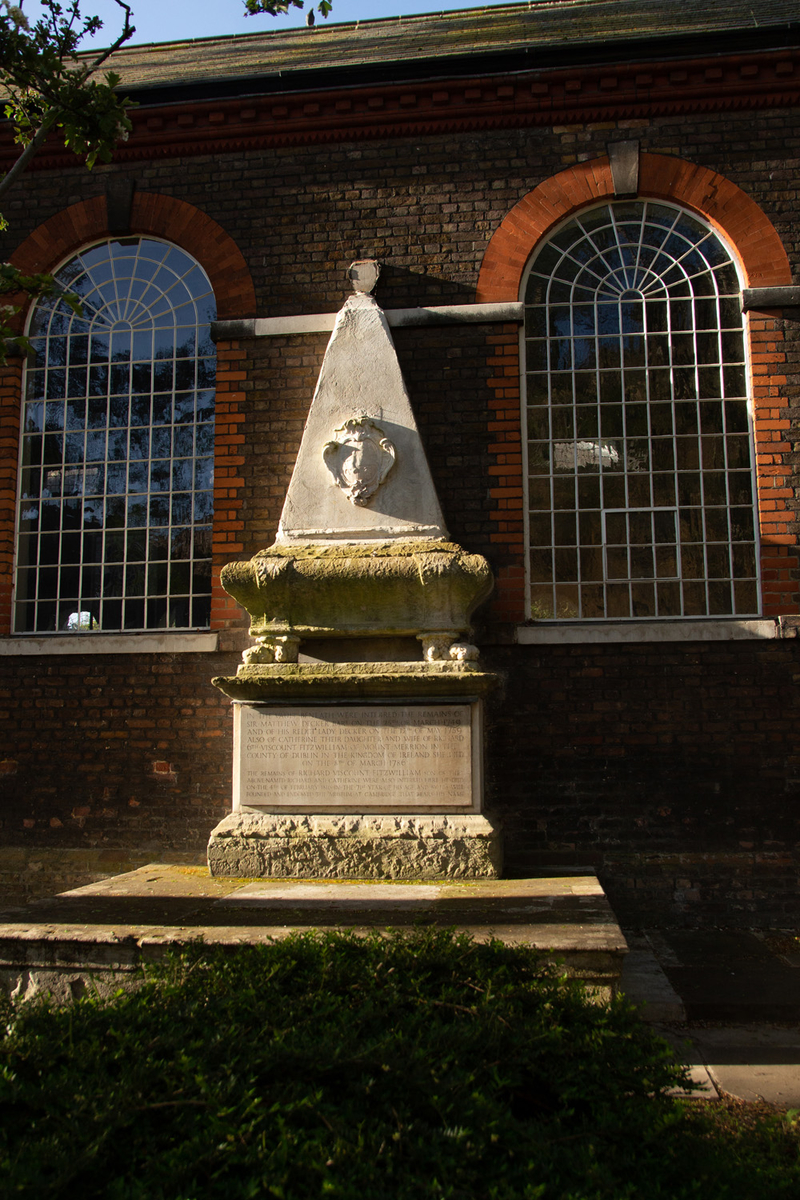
407,1066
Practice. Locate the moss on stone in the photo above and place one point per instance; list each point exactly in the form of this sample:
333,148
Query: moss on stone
387,549
426,681
360,589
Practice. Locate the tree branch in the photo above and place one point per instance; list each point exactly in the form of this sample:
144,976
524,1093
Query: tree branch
52,117
128,31
27,154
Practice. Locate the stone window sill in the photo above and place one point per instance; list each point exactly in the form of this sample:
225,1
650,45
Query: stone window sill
111,643
608,632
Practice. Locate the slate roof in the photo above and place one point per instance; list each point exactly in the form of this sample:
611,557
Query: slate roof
533,33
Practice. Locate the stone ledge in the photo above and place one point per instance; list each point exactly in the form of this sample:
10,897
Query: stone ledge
353,680
111,643
98,938
437,314
721,629
353,846
761,298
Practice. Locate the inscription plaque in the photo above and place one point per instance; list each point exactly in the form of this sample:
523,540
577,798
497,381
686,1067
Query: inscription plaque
404,758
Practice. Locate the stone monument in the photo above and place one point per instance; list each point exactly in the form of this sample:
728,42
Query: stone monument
358,711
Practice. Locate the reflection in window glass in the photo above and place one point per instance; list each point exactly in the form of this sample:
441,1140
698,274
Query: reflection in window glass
117,446
639,451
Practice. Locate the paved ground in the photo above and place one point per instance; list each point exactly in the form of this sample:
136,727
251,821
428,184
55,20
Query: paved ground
729,1002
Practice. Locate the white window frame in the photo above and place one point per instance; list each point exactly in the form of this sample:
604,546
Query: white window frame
83,635
652,628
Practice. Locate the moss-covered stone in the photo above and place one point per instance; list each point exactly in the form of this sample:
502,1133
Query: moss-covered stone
356,846
349,681
360,589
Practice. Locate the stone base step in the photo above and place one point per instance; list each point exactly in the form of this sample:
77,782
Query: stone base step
377,846
99,937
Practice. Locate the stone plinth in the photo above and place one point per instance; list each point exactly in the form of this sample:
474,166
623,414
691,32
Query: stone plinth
355,846
358,771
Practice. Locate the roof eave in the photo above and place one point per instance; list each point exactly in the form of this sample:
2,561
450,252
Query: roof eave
525,59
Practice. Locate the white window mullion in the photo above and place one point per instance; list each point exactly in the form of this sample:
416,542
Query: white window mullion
675,252
112,278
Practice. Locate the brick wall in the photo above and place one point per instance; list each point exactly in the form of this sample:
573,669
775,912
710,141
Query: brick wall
32,872
111,751
670,768
426,206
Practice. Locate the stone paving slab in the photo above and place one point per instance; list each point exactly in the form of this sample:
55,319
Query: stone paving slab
746,1062
101,934
724,975
728,1002
701,1085
645,983
753,1062
775,1083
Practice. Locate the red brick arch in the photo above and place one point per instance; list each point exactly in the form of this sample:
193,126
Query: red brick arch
152,215
725,206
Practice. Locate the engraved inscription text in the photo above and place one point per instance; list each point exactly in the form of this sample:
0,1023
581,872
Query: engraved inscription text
359,758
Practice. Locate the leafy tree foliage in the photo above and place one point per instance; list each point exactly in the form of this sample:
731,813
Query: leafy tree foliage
48,87
49,84
406,1065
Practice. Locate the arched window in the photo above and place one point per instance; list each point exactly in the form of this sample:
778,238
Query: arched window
116,471
639,447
